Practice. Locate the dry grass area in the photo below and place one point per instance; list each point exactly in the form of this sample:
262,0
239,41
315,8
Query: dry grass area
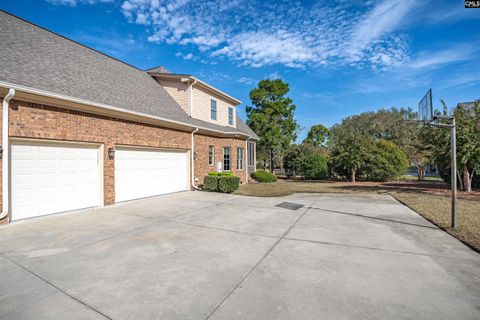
429,199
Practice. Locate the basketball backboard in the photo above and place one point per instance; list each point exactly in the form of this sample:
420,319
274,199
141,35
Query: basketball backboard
425,108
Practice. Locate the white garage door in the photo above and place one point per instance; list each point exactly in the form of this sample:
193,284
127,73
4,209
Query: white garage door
53,177
143,173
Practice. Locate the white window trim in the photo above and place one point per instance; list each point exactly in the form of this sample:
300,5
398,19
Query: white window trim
216,109
233,124
243,159
229,158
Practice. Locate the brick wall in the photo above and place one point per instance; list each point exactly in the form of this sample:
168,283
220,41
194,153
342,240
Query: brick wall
202,168
30,120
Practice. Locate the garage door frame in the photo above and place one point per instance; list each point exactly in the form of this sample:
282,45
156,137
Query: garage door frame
27,141
149,148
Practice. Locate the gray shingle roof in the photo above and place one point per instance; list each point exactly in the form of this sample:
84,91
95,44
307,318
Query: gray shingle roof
34,57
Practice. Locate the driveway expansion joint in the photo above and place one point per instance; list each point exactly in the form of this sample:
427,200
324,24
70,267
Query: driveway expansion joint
376,218
327,243
57,288
222,229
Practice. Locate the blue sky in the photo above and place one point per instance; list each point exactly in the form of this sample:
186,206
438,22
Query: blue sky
339,57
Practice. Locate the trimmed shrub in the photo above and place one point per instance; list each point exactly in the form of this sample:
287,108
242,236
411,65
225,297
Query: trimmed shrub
220,174
387,161
264,176
210,183
228,184
315,167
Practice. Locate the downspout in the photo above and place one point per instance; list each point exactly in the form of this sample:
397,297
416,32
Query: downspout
192,161
5,154
190,100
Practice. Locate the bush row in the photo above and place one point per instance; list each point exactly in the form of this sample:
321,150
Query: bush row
220,174
221,183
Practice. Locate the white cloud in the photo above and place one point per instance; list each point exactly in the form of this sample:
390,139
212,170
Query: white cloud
459,52
274,75
256,33
258,48
368,34
73,3
186,56
384,18
246,80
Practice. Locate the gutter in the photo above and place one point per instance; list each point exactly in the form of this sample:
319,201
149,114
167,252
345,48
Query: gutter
6,153
190,100
192,160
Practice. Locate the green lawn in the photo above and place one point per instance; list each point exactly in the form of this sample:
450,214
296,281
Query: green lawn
431,200
414,178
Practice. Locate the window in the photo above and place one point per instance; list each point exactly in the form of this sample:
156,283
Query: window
213,109
240,158
230,116
251,154
251,157
226,159
211,155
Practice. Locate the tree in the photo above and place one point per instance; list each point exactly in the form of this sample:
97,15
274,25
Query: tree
315,167
271,117
307,161
350,152
319,135
467,119
396,125
386,161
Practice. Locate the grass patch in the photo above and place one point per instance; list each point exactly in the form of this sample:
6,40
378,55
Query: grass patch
414,178
436,209
430,200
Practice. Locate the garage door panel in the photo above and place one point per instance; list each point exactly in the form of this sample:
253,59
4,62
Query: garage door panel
143,173
53,177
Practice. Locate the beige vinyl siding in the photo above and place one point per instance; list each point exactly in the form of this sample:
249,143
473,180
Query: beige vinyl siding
179,92
201,107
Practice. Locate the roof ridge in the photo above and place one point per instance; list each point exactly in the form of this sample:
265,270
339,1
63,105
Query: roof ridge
71,40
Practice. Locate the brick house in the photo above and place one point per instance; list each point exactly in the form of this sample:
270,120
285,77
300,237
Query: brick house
82,129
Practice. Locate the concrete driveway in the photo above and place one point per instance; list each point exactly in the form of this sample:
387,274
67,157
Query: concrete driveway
197,255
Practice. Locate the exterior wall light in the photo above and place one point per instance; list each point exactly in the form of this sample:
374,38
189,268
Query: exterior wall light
111,153
1,152
194,156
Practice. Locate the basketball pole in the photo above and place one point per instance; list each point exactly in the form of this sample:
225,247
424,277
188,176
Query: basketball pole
454,173
453,154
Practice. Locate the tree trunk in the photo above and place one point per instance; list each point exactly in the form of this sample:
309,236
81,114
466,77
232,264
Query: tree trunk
271,160
460,181
354,173
472,174
421,172
467,182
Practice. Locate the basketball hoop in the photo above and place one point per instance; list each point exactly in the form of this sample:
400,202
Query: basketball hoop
426,117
